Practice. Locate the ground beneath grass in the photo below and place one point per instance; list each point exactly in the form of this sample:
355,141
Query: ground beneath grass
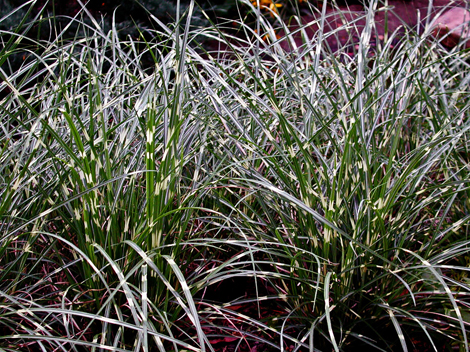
400,13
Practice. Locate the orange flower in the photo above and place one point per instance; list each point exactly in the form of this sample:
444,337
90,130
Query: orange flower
262,3
268,4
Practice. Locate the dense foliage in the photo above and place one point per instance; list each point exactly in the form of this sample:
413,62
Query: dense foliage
251,197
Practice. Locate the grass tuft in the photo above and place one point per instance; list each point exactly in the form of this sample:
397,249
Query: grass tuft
273,194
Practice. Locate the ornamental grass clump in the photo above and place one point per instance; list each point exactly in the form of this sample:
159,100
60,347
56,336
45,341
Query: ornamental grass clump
256,197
